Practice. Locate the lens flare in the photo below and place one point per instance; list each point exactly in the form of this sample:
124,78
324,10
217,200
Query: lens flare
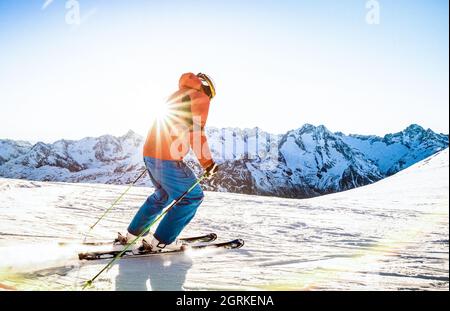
161,112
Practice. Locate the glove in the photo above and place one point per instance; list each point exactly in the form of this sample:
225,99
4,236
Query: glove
211,170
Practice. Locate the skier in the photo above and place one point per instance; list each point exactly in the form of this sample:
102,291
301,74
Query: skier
168,141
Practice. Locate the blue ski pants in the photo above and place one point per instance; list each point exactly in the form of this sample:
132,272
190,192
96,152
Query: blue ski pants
170,179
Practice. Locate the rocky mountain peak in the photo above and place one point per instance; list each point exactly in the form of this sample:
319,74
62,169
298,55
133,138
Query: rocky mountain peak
308,161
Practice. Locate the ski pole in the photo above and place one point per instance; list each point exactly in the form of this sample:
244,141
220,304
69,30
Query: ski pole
146,229
116,201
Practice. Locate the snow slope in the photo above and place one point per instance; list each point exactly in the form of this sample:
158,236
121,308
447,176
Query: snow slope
390,235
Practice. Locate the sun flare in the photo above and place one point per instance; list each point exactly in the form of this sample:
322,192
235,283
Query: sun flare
161,112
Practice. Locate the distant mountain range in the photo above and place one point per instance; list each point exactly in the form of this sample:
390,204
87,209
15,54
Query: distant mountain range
305,162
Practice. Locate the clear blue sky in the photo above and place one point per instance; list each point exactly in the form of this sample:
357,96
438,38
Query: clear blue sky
277,64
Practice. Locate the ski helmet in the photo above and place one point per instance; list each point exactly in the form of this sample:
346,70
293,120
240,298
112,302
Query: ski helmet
208,82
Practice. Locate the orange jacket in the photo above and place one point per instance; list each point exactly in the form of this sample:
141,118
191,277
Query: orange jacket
183,127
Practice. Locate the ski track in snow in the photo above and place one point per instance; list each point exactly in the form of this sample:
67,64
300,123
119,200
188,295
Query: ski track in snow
391,235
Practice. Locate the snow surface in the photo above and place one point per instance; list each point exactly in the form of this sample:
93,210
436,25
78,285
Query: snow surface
390,235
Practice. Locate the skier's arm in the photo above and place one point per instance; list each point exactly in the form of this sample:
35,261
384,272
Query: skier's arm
198,139
199,143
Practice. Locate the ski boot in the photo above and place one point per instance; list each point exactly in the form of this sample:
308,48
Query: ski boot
154,245
122,240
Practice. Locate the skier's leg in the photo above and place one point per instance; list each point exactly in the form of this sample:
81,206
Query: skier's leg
178,217
177,179
151,208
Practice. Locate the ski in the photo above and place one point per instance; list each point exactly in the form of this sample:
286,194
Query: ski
238,243
202,238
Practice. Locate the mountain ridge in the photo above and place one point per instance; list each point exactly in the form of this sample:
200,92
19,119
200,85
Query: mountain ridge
303,162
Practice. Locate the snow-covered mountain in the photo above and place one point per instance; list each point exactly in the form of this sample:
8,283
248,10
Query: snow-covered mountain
305,162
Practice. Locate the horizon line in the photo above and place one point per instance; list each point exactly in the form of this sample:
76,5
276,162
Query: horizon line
34,142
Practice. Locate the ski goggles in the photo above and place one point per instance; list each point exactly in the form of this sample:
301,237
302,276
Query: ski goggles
207,81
